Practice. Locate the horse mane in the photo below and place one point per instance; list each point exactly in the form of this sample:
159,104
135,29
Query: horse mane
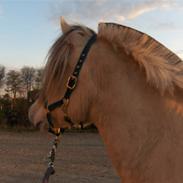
163,68
57,60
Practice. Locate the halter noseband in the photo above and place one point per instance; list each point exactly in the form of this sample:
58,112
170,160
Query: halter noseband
71,85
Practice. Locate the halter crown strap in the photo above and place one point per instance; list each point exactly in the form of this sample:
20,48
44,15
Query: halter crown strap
72,80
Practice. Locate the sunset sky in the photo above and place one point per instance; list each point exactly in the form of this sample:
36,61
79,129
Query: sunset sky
29,27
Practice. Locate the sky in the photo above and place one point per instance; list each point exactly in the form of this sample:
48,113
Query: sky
28,28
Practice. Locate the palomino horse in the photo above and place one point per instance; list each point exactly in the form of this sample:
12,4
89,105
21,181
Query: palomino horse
130,87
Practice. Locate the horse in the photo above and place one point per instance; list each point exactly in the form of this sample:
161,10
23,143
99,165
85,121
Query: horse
131,88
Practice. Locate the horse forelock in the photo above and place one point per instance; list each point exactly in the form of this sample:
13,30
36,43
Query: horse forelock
163,68
57,60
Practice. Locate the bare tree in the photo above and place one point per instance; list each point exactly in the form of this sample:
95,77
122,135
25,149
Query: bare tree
13,83
27,77
2,74
38,78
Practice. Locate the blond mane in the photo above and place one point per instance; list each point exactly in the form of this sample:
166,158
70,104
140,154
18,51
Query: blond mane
163,68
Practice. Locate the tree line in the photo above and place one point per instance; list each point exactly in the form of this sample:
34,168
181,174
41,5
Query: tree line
19,89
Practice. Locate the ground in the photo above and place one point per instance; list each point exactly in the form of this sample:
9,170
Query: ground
81,158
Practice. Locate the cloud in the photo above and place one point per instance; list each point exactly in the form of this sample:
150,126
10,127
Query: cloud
147,6
108,10
165,26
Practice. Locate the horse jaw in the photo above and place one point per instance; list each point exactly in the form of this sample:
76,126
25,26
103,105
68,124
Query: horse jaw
65,27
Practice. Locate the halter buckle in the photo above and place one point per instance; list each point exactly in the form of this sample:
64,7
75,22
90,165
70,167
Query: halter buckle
71,82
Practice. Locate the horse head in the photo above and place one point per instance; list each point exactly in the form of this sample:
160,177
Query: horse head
62,59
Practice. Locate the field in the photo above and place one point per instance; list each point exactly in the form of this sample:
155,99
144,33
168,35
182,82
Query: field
81,158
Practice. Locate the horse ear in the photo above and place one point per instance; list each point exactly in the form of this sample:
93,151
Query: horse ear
65,27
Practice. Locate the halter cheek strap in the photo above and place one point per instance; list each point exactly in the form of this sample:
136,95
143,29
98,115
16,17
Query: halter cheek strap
71,85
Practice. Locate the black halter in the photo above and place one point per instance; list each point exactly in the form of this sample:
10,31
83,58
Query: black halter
71,85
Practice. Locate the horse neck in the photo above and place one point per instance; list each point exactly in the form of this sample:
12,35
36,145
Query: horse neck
130,115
